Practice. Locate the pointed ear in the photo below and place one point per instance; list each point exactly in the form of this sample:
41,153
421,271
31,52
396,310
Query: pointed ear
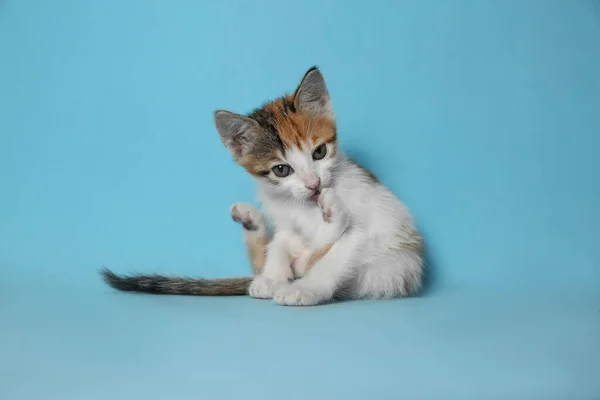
312,96
236,132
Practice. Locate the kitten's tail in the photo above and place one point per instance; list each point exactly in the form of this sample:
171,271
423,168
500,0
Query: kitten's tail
159,284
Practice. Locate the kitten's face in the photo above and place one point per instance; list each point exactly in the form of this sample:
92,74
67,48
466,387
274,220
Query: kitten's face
290,143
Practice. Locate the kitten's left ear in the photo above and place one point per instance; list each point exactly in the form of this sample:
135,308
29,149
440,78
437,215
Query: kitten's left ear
312,96
236,132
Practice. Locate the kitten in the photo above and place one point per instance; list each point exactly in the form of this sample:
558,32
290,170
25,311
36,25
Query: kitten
338,232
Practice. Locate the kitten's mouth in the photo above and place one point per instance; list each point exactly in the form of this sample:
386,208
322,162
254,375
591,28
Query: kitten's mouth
315,196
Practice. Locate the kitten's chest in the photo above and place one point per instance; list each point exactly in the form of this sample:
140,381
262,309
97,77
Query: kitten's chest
306,224
303,221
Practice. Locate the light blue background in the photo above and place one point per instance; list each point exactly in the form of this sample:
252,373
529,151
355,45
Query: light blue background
483,116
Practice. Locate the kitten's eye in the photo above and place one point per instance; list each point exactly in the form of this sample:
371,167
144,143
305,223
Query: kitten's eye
320,152
282,170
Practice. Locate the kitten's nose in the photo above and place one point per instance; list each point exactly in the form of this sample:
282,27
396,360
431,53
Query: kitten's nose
313,183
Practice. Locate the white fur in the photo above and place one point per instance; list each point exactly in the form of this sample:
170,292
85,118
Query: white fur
376,254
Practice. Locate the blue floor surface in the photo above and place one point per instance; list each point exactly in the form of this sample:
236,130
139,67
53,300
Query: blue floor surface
100,344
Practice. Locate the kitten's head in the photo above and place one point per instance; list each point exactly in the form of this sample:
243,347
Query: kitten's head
289,143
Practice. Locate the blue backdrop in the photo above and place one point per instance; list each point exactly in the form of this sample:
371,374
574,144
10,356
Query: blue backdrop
483,116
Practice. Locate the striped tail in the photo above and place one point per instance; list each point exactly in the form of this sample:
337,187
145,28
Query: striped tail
159,284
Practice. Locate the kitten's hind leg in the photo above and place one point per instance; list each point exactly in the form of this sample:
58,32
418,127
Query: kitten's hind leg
396,273
255,233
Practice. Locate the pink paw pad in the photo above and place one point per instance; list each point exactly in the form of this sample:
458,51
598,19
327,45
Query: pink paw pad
244,218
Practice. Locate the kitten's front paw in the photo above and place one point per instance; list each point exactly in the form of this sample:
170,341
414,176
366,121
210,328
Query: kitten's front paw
334,214
329,205
249,216
262,288
326,203
295,295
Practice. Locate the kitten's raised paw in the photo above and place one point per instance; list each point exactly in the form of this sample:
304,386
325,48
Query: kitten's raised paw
262,288
249,216
326,203
295,295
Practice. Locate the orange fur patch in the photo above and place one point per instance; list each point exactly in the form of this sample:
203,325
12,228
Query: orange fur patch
297,128
317,255
257,251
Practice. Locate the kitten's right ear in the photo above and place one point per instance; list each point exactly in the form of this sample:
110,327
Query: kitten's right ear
312,95
236,132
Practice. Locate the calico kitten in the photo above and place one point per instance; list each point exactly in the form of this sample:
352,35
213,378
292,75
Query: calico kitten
338,232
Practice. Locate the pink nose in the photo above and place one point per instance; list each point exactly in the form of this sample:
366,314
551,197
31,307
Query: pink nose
314,184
